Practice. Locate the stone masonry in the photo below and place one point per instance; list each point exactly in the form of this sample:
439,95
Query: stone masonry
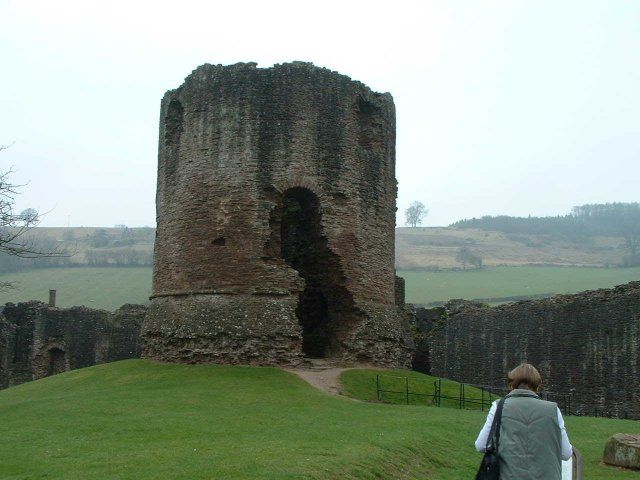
275,220
37,340
586,344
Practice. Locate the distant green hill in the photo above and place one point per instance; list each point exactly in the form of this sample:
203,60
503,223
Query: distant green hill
142,420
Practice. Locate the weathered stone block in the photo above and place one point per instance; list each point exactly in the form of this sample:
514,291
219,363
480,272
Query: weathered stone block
230,329
623,450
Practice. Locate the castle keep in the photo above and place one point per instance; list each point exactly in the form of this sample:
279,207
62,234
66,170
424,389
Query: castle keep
275,220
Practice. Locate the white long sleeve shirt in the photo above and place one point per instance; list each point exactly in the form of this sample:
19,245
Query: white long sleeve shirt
481,441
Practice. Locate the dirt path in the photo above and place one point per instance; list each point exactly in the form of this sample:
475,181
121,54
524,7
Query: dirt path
325,379
322,374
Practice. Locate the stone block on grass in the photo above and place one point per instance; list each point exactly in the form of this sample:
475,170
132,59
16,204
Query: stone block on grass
623,450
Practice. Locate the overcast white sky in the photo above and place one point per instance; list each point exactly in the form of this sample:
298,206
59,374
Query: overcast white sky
503,107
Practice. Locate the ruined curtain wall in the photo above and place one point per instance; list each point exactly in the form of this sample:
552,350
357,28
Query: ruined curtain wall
37,340
585,344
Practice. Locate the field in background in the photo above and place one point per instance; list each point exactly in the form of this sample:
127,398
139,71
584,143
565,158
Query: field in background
111,287
416,248
142,420
95,287
436,248
499,282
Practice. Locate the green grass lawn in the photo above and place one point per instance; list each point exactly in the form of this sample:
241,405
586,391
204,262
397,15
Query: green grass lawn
364,384
107,288
141,420
426,287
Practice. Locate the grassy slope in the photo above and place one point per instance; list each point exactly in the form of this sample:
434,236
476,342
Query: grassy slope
362,384
107,288
140,420
587,434
426,287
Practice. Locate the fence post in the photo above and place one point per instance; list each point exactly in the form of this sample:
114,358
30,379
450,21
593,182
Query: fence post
460,396
378,387
52,298
463,396
406,388
482,399
439,392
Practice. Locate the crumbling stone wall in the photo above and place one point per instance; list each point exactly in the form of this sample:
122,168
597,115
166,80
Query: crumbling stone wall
275,220
37,340
586,344
6,336
400,292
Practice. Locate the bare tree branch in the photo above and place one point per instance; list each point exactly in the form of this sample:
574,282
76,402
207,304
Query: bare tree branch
14,227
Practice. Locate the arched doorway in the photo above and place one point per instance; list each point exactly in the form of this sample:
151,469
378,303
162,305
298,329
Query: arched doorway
57,361
325,305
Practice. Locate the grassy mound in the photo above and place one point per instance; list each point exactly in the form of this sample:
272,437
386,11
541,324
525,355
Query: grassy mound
140,420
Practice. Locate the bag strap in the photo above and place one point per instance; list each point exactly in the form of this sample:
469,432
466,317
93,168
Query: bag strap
495,428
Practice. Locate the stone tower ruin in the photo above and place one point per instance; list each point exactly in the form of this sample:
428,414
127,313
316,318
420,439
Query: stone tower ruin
275,220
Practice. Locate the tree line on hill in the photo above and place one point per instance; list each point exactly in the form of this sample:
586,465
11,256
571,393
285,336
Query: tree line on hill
584,221
123,257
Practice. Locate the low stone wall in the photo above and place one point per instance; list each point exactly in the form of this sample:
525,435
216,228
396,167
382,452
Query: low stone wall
37,340
586,344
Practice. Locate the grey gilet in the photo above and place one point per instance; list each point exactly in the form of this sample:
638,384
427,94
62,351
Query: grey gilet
530,442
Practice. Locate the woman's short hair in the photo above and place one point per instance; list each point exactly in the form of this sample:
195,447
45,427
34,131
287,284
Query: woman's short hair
524,375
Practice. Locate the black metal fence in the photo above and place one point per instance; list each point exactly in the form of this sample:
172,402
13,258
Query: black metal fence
620,413
398,389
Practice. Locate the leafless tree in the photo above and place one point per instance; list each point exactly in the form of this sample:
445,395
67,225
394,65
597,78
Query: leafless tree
415,213
14,226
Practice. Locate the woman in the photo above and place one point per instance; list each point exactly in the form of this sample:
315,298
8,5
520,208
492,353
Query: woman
533,438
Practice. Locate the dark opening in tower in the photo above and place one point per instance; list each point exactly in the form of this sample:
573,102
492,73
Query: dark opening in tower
57,361
325,307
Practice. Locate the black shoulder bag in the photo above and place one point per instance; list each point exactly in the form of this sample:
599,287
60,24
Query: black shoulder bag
490,466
